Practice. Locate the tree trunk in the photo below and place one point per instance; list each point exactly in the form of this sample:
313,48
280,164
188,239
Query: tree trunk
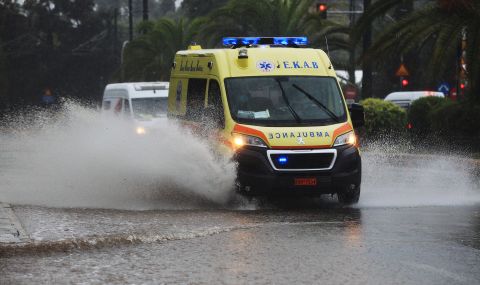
145,10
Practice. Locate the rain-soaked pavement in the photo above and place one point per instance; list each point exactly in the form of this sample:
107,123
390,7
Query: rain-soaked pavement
120,209
324,243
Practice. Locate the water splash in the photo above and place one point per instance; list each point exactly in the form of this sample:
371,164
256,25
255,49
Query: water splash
393,176
79,158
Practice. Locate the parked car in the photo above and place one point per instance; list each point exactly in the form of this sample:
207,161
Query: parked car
405,98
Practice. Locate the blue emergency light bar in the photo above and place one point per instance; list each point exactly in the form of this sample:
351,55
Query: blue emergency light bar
299,41
279,41
237,41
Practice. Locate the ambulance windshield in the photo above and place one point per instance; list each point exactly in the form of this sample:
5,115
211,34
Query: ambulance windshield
146,109
285,100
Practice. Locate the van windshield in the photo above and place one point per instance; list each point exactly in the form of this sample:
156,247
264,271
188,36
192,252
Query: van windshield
149,108
285,100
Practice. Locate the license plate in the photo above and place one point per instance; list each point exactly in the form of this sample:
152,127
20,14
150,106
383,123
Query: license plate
305,181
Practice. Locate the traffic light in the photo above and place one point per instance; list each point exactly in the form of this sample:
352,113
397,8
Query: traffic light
322,9
404,83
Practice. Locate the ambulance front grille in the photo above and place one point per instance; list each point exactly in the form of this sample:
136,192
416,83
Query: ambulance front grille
302,160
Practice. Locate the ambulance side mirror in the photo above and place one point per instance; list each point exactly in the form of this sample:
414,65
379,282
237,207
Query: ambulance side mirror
357,115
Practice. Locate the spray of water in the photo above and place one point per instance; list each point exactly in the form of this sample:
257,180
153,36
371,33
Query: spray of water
394,176
79,158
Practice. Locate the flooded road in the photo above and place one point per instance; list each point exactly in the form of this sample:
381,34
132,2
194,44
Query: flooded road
102,206
327,244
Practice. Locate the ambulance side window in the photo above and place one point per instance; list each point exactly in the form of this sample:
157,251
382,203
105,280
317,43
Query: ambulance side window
195,99
215,107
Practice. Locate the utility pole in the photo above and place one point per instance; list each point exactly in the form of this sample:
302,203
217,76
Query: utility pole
145,10
351,67
366,66
130,20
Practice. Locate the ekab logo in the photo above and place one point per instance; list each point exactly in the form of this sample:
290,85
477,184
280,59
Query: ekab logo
265,65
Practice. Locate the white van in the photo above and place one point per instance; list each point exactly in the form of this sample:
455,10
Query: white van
145,103
405,98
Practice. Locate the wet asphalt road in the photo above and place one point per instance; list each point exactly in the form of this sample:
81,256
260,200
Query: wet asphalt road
323,244
418,222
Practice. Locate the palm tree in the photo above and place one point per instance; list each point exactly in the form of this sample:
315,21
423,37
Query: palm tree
437,26
149,57
273,18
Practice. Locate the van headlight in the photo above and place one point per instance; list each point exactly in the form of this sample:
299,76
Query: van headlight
141,131
347,138
240,140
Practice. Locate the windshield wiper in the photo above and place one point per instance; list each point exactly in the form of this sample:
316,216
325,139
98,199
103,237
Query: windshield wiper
318,103
295,115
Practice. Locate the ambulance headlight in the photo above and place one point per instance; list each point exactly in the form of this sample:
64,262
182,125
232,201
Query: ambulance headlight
240,140
348,138
141,131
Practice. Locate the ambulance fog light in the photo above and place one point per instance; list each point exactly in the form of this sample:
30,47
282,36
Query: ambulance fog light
346,139
141,131
282,160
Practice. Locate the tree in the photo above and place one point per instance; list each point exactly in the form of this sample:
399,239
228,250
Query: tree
198,8
150,56
60,44
434,30
163,8
439,25
273,18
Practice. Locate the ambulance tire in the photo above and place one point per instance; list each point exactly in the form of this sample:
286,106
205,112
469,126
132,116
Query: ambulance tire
349,196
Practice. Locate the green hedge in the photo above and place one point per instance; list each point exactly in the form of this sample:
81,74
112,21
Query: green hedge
420,112
456,119
383,117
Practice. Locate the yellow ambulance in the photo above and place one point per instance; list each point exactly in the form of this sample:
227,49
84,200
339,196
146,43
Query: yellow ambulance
278,105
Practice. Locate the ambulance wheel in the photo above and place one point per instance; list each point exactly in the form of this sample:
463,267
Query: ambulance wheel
349,196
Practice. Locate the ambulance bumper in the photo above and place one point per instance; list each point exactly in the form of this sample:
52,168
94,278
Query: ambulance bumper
257,176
